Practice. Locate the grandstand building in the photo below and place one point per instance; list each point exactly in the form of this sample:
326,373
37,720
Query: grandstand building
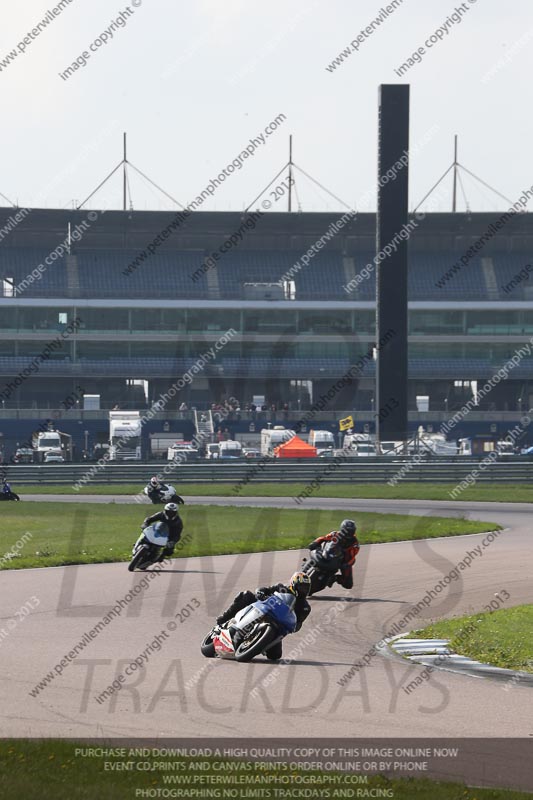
134,299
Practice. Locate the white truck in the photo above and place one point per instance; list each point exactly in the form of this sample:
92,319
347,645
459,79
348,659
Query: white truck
272,437
182,451
55,445
229,449
322,440
362,444
125,435
432,443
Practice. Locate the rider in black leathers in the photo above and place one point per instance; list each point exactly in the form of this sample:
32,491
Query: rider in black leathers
156,489
299,585
174,523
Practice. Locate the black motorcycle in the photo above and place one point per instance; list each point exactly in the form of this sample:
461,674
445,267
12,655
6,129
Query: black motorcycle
9,496
322,565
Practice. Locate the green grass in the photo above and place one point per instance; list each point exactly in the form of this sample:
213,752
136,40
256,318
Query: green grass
85,533
50,770
489,492
502,637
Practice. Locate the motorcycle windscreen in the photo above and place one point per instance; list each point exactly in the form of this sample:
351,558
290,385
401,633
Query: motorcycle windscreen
248,615
279,607
157,534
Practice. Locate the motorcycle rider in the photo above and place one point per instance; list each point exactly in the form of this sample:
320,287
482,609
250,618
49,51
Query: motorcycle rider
299,585
174,523
156,488
347,540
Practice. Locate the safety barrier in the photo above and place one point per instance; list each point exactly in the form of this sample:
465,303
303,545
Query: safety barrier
361,470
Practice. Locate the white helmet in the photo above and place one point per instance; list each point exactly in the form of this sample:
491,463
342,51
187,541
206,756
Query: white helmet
155,482
171,510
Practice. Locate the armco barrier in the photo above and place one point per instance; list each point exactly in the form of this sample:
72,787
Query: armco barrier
362,470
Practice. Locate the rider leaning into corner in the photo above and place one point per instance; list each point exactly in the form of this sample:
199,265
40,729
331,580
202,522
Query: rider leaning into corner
346,538
172,519
156,488
299,585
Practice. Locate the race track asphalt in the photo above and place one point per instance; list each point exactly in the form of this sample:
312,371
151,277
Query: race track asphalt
179,693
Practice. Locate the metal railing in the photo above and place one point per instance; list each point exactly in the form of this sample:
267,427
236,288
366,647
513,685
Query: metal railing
362,470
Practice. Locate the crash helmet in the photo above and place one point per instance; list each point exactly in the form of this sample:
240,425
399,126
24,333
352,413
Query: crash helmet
347,531
171,510
300,584
155,482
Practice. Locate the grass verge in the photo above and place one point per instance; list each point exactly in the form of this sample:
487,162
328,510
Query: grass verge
502,638
502,493
50,770
82,533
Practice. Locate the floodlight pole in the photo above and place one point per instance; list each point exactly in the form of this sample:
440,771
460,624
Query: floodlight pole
124,162
454,200
290,174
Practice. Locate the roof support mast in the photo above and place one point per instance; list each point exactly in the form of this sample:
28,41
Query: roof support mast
290,174
454,200
125,177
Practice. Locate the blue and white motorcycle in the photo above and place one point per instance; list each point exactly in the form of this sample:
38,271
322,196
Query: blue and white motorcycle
253,630
148,547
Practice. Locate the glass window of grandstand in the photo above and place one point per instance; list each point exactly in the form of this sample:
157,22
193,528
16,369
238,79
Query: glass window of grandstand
104,319
334,322
156,349
160,320
44,319
434,352
499,322
215,321
32,349
269,321
102,351
7,347
331,350
9,319
428,322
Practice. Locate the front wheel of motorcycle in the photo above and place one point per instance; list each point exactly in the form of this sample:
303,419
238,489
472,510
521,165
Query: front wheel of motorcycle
254,644
207,647
141,559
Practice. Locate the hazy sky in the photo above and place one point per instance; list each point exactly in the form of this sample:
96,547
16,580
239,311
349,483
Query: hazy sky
192,83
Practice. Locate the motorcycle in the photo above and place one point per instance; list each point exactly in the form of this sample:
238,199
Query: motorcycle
147,548
253,630
168,496
322,565
9,496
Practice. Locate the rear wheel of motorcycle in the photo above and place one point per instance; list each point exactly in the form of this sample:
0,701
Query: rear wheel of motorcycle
255,644
207,647
141,559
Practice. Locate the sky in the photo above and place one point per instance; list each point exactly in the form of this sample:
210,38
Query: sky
193,83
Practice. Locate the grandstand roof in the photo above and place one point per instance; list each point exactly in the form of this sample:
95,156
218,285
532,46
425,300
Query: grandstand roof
279,230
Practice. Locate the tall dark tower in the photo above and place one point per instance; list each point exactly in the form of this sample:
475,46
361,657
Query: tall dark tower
391,274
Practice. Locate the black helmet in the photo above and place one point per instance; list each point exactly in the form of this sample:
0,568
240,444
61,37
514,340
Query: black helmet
347,530
171,510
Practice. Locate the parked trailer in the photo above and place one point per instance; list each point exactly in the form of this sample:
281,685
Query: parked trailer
125,435
272,437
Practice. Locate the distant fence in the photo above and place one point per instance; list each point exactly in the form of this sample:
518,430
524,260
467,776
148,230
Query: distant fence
361,470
